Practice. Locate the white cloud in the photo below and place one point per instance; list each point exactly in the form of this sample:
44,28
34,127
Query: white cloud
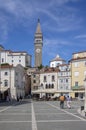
17,8
61,2
56,42
64,18
81,36
58,15
52,47
3,28
12,13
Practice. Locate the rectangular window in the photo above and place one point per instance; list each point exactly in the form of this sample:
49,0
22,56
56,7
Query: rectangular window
6,83
61,87
6,73
34,81
85,63
66,80
61,73
44,78
76,83
67,73
52,65
85,73
2,60
53,78
57,64
76,64
19,60
35,87
34,75
76,73
66,87
16,73
61,80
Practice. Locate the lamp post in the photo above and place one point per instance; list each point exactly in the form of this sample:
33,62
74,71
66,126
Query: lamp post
85,95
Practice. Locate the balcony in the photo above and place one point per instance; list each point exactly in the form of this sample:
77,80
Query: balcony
77,87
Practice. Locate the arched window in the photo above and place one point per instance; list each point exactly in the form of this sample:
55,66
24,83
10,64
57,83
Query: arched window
53,78
49,85
45,79
52,85
46,86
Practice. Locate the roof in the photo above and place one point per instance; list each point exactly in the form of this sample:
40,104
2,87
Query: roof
78,58
64,65
79,52
57,58
50,70
16,52
6,66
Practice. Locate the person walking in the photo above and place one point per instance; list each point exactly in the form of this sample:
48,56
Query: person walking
68,102
62,99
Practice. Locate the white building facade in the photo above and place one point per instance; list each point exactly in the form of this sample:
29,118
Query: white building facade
57,61
64,79
12,81
15,57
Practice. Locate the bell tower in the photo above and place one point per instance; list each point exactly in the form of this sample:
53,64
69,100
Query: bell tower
38,43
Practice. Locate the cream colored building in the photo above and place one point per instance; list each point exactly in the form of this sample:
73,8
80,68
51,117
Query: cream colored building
78,73
45,83
49,83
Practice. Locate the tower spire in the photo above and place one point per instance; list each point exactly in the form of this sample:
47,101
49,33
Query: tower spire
38,29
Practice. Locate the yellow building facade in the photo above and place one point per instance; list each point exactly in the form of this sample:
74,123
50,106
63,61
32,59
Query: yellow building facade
78,73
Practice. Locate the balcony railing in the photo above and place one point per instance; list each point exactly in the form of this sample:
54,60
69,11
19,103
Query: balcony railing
77,87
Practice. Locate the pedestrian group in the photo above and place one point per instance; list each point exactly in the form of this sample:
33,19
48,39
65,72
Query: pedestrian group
62,98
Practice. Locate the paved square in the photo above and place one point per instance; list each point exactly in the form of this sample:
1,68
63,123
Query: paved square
41,115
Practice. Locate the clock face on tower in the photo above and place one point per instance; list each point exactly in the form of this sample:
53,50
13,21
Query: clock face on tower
38,50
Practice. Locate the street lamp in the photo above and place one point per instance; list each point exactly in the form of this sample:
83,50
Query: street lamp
85,95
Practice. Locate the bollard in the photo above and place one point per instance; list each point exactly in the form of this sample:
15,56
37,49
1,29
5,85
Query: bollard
82,108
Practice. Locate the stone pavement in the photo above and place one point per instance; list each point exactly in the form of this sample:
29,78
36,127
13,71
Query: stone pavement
41,115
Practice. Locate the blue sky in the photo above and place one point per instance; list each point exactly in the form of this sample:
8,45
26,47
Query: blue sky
63,23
